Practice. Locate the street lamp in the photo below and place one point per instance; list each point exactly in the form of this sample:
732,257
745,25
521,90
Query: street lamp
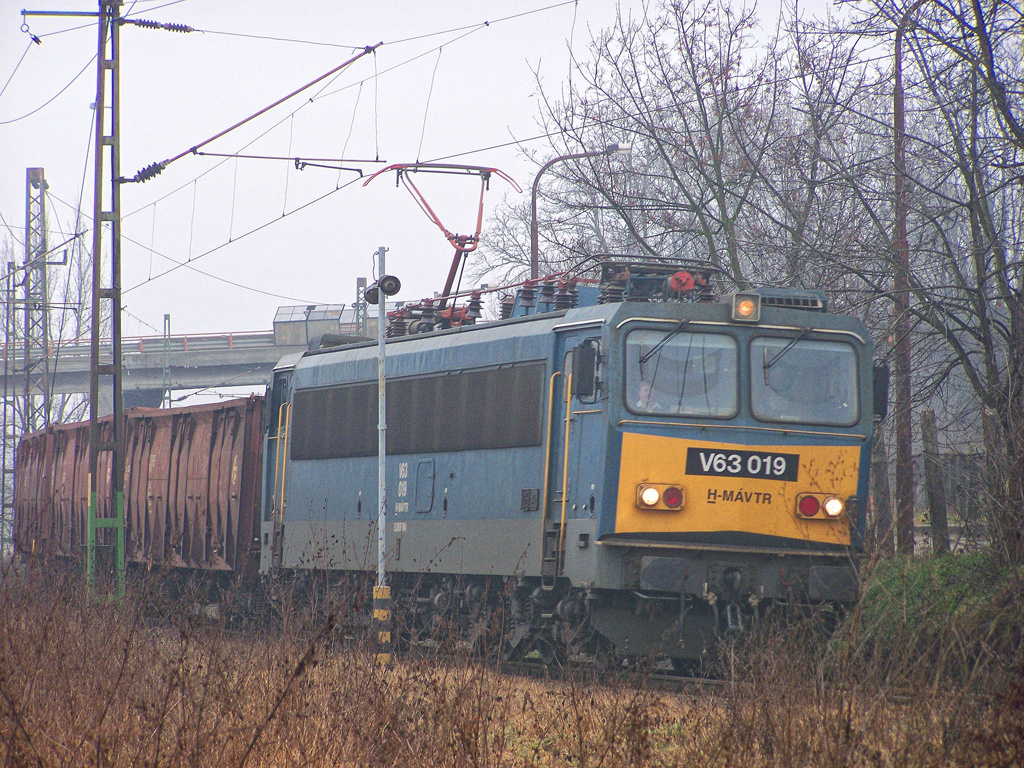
611,149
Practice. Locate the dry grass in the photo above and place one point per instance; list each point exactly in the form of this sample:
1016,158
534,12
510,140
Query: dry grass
97,684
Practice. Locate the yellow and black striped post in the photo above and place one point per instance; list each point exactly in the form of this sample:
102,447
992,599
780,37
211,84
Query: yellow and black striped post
382,623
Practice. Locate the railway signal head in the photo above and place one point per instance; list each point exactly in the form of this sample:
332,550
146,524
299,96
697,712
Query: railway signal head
389,285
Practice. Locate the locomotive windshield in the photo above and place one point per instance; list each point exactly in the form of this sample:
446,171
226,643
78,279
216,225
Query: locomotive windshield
796,380
681,374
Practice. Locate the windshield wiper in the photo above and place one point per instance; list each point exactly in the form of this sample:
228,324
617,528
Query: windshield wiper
766,363
668,336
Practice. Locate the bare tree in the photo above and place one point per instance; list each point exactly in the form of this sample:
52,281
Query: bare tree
773,160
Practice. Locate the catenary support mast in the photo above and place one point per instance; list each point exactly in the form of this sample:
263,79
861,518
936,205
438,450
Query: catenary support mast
106,446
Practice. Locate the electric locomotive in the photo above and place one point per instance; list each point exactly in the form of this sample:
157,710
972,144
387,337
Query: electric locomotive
636,467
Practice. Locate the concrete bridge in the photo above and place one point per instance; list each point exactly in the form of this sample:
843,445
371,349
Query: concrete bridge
194,361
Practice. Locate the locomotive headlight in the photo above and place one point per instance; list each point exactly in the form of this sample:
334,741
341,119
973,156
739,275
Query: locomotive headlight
649,496
660,496
833,506
819,506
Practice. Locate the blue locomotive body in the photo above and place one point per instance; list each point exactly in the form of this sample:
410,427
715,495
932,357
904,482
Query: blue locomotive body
633,475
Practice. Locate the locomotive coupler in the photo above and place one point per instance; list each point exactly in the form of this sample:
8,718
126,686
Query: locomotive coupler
732,581
733,618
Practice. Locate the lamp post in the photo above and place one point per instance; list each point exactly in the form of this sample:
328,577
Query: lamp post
901,300
608,151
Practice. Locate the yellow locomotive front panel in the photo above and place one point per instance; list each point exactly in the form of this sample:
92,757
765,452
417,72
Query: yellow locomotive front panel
795,492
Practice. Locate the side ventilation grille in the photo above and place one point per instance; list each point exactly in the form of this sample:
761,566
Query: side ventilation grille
809,301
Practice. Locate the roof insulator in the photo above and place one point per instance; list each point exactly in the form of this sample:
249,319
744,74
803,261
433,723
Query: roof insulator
147,24
148,172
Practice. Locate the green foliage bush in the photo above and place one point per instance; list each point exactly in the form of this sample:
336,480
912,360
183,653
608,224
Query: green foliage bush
948,616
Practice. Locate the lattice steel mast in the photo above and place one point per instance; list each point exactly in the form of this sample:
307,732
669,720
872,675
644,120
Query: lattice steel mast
36,358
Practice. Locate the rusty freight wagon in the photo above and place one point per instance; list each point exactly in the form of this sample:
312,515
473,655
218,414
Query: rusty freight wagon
192,488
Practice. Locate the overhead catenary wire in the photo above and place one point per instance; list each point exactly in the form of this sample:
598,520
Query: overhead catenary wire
52,98
287,168
187,264
155,168
10,229
152,240
351,127
274,39
16,66
482,24
426,107
298,160
375,77
225,382
473,28
143,322
158,7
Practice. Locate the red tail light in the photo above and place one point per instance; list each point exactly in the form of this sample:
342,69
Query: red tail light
808,506
672,497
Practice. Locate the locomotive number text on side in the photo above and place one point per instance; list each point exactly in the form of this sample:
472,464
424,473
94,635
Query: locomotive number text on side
751,464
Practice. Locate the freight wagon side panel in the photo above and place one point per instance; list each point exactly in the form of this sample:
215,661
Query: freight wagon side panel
135,447
191,488
158,473
33,493
68,443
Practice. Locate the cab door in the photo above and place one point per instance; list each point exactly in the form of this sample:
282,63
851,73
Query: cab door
275,466
575,443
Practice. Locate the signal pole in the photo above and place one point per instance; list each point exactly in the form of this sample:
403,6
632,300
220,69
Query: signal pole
382,592
378,293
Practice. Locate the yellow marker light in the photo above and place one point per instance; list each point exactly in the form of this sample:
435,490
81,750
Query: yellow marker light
833,506
649,496
746,307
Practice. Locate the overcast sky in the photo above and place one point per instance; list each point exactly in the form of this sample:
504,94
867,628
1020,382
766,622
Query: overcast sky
443,86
